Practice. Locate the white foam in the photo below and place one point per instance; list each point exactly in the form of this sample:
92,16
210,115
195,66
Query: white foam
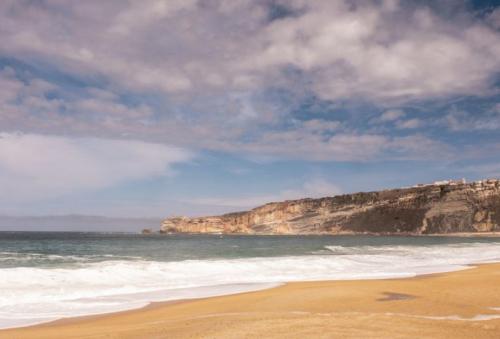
31,295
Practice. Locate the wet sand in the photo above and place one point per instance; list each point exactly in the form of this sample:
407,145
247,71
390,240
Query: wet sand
462,304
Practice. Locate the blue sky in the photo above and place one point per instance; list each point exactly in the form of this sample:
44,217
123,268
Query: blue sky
195,107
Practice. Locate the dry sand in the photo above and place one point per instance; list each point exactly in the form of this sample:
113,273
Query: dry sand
452,305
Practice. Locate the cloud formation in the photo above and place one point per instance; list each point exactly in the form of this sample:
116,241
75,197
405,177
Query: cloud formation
458,120
96,94
35,166
389,51
391,115
231,75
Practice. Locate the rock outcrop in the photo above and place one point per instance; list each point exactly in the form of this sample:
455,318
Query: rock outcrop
448,207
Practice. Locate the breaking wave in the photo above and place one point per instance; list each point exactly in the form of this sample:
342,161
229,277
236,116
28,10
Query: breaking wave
38,294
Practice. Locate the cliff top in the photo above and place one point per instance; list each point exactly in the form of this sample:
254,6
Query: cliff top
361,197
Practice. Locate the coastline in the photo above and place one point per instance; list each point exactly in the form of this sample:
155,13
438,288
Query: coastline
468,234
464,303
442,207
401,234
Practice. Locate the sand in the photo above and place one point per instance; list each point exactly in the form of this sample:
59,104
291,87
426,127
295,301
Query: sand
462,304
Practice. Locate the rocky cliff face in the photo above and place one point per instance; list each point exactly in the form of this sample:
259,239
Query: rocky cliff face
428,209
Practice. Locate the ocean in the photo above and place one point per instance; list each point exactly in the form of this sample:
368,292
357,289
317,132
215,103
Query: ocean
46,276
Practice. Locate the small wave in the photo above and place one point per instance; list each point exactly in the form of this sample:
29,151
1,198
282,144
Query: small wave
16,259
321,252
401,250
336,248
118,283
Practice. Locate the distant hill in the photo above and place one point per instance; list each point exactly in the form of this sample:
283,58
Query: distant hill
77,223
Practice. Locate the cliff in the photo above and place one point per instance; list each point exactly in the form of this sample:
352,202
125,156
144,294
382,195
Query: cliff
446,207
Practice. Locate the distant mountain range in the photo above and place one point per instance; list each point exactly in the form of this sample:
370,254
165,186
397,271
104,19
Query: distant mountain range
76,223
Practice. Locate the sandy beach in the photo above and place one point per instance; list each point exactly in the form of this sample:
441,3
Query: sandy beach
461,304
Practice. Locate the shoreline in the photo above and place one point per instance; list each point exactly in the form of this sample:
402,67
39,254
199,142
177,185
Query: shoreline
215,291
457,234
158,304
211,292
466,235
104,287
480,277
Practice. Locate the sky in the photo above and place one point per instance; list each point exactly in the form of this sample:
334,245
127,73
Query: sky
196,107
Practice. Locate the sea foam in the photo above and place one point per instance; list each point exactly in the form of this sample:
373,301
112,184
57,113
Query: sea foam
32,295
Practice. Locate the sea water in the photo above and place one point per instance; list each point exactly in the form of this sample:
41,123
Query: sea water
47,276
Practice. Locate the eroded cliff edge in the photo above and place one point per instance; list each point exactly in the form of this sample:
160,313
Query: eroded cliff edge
427,209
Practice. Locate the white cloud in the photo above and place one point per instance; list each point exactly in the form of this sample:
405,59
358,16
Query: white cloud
391,115
211,60
99,112
371,53
494,18
39,166
317,125
25,105
396,117
457,120
409,124
140,14
302,144
9,85
389,52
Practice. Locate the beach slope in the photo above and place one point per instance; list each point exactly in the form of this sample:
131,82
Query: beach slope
462,304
